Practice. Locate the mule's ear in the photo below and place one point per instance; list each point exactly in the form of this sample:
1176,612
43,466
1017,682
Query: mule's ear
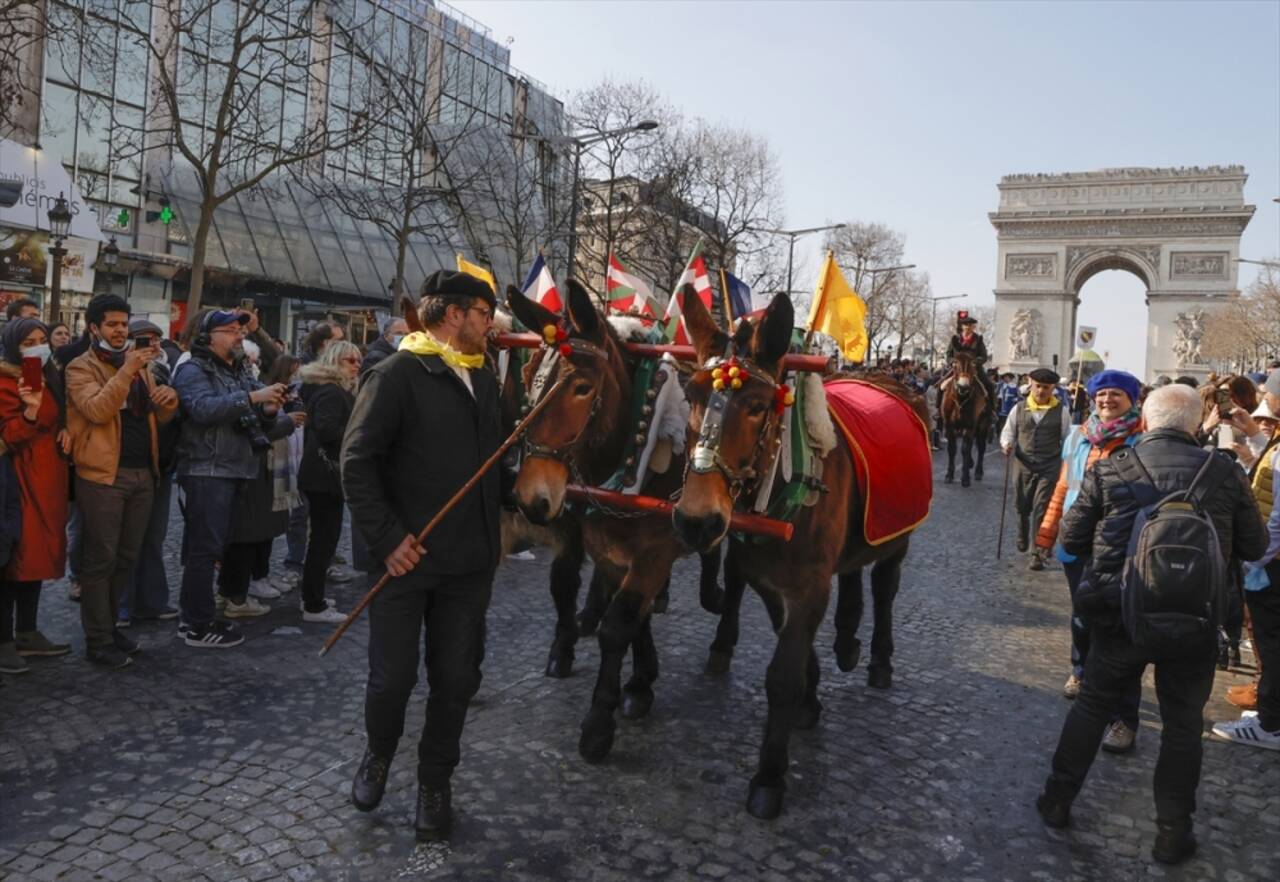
742,336
708,340
533,316
582,311
410,313
773,335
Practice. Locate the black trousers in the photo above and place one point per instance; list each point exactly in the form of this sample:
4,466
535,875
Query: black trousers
19,602
450,611
1031,496
1183,683
325,513
1264,606
242,563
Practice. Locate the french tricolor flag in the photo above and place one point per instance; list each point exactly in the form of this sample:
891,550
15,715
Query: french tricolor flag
540,287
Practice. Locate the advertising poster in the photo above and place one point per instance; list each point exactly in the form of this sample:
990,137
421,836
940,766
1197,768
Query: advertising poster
22,256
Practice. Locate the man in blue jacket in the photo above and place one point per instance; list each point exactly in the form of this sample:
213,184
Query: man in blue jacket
227,415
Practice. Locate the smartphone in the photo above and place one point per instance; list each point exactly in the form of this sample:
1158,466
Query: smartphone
246,303
1226,437
33,373
1224,403
143,341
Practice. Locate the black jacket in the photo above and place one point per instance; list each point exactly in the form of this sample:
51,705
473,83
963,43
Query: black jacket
378,350
977,348
328,407
1100,521
416,435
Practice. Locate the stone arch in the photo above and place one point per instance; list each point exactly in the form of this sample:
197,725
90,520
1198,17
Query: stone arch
1176,229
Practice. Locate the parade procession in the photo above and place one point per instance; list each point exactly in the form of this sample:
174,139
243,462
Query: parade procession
413,470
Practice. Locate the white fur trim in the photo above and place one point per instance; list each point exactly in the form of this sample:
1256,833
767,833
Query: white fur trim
671,414
817,419
629,329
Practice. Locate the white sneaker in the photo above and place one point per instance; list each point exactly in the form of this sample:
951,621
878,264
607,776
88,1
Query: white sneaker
286,581
1247,730
219,601
261,588
339,573
522,555
329,616
329,601
250,608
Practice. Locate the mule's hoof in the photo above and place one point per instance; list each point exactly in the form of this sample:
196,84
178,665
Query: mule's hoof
595,743
764,802
848,654
977,476
808,715
587,623
879,677
560,666
718,662
964,482
636,705
712,600
950,479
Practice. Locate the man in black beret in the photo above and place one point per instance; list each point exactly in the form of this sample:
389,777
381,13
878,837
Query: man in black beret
1033,434
425,418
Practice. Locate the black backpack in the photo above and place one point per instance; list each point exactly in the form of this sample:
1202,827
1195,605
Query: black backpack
1173,591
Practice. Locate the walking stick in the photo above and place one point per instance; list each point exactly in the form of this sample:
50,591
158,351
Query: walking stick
1004,503
448,506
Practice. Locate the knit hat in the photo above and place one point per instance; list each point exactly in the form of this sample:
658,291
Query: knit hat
1122,380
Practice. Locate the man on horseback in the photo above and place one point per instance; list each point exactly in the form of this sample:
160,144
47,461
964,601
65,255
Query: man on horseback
968,341
1033,434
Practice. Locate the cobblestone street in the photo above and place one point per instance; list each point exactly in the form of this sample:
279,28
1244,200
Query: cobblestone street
229,765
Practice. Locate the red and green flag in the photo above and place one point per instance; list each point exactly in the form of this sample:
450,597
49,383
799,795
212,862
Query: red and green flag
627,292
695,274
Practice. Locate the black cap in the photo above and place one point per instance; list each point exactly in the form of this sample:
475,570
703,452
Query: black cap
967,320
1044,375
446,283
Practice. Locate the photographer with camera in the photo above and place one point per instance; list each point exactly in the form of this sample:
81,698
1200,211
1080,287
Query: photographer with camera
227,417
114,412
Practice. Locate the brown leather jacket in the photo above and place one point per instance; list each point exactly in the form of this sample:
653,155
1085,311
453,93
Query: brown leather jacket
96,392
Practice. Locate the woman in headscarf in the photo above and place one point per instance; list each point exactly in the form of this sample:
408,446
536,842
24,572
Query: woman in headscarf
30,425
1116,422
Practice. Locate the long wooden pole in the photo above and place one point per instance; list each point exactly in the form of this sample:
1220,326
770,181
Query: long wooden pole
738,522
1004,503
448,506
793,362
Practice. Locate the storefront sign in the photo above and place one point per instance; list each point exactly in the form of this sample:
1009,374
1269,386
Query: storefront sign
22,257
43,178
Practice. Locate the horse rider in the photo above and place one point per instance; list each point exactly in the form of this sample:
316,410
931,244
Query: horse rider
1033,434
967,340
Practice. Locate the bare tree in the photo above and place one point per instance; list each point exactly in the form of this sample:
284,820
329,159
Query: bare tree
1243,334
238,93
24,27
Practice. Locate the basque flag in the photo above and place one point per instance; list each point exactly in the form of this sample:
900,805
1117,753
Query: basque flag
540,287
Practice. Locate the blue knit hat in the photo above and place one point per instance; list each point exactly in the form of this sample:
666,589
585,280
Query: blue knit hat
1122,380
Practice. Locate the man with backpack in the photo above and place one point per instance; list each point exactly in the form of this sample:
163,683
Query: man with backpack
1160,521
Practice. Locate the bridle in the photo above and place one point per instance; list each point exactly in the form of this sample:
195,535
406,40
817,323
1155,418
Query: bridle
728,375
559,347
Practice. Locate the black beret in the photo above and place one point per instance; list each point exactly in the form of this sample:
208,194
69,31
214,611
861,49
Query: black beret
447,283
1044,375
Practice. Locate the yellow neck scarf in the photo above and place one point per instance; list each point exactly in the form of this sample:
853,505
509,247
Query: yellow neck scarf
1034,407
423,343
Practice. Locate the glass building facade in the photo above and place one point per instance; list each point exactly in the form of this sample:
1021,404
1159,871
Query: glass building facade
294,247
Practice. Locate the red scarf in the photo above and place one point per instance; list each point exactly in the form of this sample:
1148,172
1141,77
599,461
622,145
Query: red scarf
967,339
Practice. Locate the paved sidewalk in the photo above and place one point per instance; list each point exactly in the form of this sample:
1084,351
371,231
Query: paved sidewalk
223,765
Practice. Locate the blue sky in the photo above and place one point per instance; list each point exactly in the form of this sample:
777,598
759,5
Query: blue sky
909,113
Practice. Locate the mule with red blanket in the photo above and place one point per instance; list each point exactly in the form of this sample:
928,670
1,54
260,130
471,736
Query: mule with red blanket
966,417
876,487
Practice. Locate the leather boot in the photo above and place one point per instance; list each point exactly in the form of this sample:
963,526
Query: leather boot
370,781
434,819
1174,842
1054,811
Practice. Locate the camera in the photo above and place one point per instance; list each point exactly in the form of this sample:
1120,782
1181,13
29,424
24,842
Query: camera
251,425
143,341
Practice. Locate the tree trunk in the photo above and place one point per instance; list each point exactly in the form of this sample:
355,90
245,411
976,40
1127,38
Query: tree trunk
199,246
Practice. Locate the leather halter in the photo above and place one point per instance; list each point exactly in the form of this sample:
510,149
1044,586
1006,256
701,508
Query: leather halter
706,458
564,453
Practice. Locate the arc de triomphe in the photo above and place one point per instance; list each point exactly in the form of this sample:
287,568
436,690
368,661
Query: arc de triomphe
1176,229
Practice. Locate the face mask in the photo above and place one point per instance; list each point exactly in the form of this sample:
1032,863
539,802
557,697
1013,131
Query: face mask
41,352
107,347
395,340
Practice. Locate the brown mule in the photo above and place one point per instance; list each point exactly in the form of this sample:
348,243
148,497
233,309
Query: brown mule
581,438
965,416
728,452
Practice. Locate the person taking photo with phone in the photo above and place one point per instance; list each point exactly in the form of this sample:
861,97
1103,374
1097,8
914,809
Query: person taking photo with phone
114,412
30,423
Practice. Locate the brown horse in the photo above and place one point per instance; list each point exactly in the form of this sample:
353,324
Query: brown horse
730,450
965,415
581,438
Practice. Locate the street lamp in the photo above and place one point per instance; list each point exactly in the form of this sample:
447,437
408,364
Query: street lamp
580,143
59,226
792,235
1274,264
933,327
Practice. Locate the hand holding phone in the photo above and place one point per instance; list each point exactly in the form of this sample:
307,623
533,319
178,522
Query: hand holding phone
33,373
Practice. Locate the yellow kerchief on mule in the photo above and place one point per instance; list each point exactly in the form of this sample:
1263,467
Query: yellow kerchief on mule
1033,406
422,343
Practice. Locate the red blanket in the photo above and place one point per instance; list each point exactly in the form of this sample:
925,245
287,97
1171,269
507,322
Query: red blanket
891,456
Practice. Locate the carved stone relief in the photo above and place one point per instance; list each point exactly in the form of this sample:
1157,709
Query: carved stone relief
1031,266
1118,228
1189,331
1024,335
1078,254
1200,264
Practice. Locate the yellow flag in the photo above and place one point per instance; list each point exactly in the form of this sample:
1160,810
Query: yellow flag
839,312
473,269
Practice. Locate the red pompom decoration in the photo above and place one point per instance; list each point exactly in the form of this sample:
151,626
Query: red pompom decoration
561,335
566,350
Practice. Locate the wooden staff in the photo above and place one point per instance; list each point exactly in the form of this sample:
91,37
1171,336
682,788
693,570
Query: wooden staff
816,363
742,523
1004,502
448,506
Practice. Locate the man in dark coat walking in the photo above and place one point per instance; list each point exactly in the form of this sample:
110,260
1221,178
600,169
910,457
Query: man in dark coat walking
425,419
1099,526
1033,436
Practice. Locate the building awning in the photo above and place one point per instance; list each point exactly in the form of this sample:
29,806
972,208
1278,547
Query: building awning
280,232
